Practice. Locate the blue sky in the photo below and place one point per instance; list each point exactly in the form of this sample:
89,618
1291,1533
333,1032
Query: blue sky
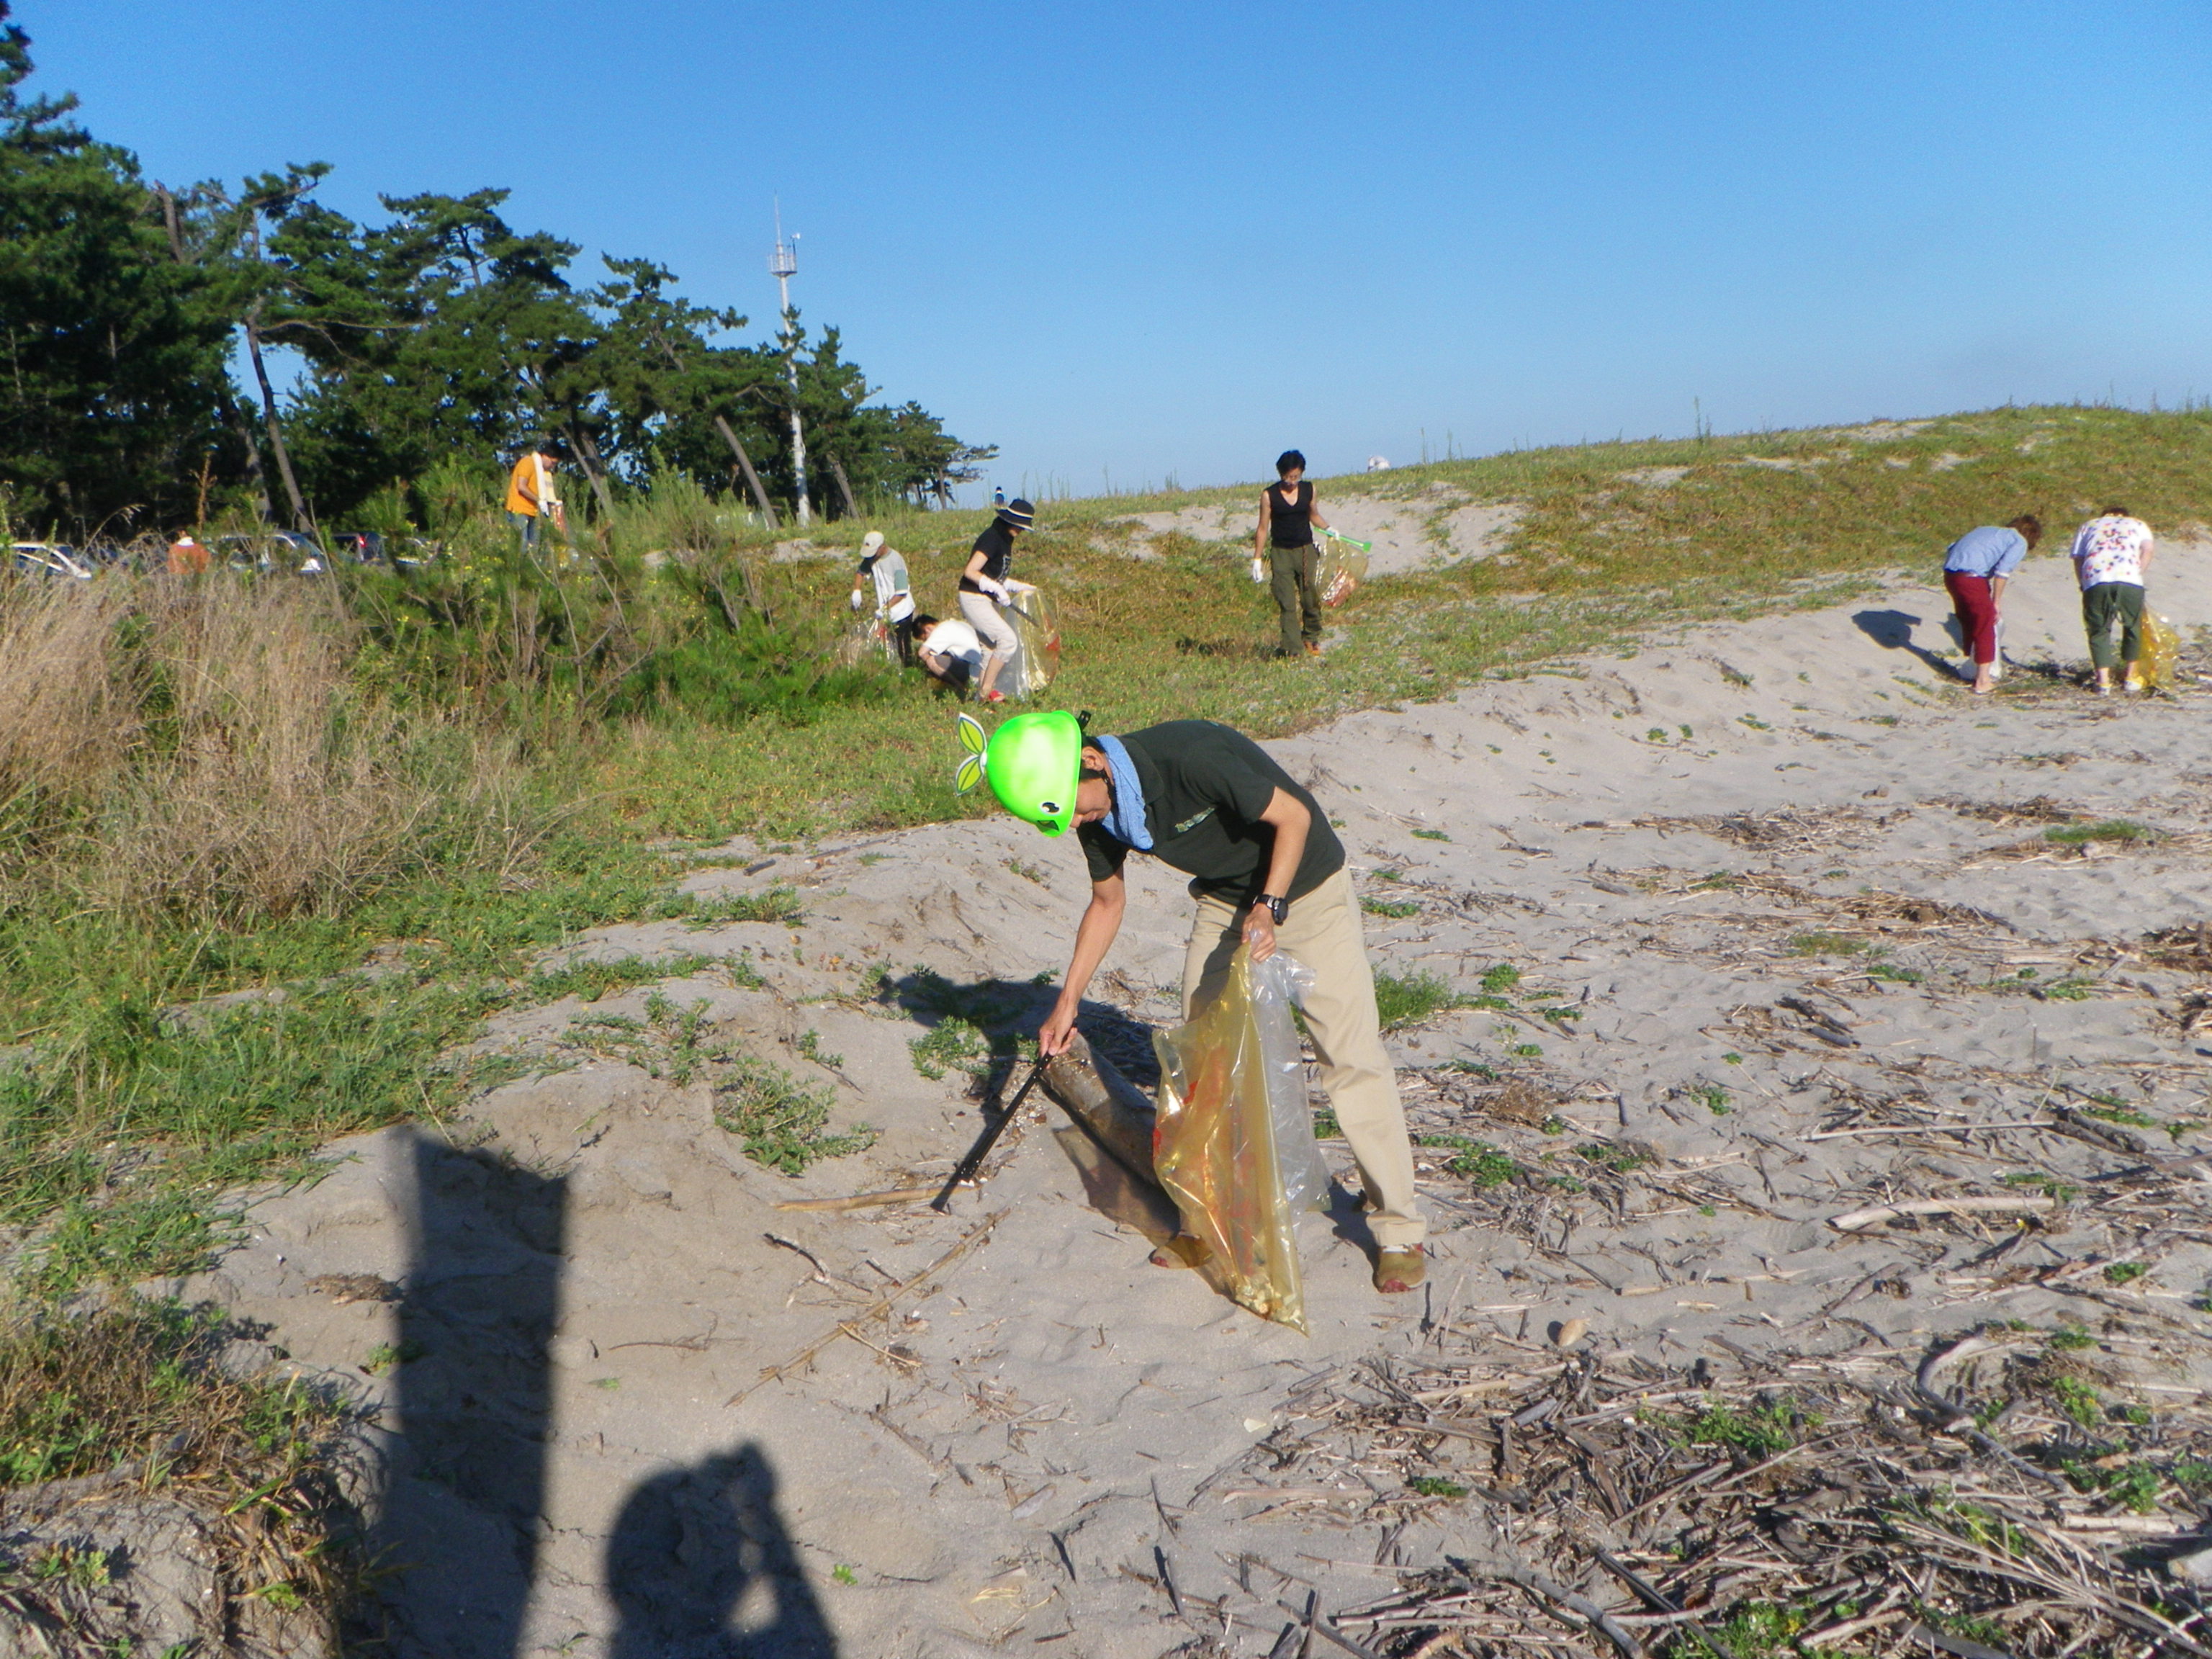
1141,240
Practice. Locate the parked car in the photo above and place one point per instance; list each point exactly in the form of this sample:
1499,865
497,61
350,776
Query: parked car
361,546
53,559
282,551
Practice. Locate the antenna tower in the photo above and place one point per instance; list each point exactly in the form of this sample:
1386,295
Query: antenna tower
783,265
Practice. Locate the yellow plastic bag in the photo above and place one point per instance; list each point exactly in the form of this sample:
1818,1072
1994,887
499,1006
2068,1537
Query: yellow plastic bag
1343,567
1038,658
1233,1143
2161,649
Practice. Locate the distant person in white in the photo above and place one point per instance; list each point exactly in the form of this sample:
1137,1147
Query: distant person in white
951,653
894,590
2111,556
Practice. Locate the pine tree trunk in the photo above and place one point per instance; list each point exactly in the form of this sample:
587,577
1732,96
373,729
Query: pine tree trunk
301,521
752,478
588,454
844,484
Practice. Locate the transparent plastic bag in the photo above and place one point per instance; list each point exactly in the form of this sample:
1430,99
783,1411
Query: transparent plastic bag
2161,649
1037,659
1234,1142
1342,567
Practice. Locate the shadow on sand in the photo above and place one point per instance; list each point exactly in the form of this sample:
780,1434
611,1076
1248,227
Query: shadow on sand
1893,631
699,1563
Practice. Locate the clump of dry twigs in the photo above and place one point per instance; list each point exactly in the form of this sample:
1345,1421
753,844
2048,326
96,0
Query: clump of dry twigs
1991,1499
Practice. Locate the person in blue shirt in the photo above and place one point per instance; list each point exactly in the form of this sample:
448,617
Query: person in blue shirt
1975,571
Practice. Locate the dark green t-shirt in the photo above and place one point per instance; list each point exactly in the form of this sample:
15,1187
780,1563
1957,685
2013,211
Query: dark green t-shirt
1204,787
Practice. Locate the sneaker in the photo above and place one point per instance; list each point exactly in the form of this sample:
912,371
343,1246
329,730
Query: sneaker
1399,1270
1312,650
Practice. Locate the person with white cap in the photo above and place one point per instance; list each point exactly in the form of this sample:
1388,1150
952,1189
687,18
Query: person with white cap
985,586
894,591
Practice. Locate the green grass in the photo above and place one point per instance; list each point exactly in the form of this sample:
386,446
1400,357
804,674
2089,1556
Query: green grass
778,903
1435,1485
2109,829
778,1119
1608,1155
1403,999
1759,1431
257,1458
1395,909
1483,1164
2079,1401
1817,944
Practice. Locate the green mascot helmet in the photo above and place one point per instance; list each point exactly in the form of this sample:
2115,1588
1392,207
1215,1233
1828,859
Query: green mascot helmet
1033,764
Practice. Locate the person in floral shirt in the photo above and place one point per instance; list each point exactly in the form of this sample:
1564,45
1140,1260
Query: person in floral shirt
2112,554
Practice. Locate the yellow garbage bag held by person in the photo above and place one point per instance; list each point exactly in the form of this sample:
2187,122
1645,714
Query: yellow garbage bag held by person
1234,1142
2162,651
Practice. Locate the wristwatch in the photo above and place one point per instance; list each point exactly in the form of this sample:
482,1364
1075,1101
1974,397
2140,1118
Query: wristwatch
1278,907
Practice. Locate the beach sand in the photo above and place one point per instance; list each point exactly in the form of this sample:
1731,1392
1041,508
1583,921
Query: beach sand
1787,927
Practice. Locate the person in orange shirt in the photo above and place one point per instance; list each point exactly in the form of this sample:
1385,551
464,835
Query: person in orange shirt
531,497
187,558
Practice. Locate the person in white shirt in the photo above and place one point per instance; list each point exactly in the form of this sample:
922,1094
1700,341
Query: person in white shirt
2111,556
950,652
894,590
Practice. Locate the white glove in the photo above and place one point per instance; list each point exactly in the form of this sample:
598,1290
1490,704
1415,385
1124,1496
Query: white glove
1259,569
856,598
996,590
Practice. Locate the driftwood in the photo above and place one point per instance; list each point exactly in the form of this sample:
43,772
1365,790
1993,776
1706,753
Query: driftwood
862,1201
1110,1108
1993,1205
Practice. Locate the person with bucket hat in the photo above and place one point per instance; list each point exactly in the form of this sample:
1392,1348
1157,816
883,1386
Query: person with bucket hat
1267,871
985,586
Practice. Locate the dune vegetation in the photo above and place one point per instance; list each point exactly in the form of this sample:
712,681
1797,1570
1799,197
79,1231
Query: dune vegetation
335,822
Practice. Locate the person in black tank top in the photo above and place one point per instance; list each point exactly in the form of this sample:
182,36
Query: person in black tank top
1288,519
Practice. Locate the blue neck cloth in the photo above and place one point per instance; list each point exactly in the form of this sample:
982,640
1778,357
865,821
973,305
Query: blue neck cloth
1125,818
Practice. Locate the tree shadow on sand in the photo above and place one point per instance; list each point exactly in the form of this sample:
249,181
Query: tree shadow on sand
700,1567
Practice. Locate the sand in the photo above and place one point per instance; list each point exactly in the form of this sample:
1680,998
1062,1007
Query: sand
1439,523
1001,1429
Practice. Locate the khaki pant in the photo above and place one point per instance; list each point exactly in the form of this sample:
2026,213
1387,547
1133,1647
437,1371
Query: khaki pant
1322,931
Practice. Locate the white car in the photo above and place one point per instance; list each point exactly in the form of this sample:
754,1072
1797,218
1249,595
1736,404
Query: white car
52,559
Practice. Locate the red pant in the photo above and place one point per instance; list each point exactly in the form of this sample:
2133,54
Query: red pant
1978,614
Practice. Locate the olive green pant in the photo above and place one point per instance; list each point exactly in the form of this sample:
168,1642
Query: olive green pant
1322,931
1297,588
2103,604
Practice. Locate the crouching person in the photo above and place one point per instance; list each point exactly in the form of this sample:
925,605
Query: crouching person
1266,870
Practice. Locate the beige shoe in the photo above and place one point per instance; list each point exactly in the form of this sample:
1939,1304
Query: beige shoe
1399,1270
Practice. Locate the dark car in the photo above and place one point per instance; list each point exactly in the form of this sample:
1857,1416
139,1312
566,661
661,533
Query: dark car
361,546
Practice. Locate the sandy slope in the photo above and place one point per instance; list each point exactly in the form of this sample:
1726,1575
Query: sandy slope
1438,524
583,1456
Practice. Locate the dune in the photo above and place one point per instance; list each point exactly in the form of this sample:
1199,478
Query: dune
1788,941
